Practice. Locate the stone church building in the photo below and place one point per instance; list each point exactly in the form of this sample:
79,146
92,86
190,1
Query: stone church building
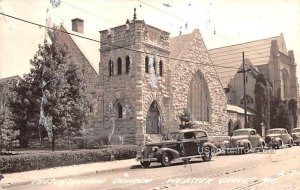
267,56
145,81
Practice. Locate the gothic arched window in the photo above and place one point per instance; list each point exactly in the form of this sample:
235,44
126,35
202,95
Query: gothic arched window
119,66
154,66
127,64
160,68
199,99
119,110
111,68
147,64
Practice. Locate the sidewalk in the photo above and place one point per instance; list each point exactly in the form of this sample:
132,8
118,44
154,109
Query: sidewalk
27,177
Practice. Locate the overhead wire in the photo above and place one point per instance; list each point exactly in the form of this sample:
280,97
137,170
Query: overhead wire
181,19
121,47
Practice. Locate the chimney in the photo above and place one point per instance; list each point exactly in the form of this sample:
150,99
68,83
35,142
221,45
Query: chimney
77,25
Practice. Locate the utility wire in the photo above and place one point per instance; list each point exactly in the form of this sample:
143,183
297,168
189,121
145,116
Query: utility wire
73,6
121,47
154,7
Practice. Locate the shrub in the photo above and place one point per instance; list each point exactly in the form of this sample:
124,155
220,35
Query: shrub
19,163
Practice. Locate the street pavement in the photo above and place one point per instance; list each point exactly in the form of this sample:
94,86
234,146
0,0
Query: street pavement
261,170
23,178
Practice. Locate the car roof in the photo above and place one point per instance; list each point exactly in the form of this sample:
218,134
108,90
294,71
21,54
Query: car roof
188,130
246,129
296,128
281,129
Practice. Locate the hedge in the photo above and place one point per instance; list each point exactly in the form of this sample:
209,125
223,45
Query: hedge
19,163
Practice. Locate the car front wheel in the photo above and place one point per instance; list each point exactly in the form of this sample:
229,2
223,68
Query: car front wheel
279,145
145,164
207,155
165,159
291,143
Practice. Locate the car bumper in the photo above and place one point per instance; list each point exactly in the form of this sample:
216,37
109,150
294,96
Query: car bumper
297,140
141,158
272,144
234,150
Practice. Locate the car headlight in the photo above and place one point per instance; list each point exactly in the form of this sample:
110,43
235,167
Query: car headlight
242,143
154,148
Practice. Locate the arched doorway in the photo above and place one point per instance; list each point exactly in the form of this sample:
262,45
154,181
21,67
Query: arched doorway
230,127
153,119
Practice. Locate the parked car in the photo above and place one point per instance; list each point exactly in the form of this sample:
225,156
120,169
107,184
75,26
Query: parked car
243,141
278,137
183,145
296,136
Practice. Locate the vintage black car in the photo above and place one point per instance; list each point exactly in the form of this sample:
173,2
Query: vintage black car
184,144
278,137
244,141
296,136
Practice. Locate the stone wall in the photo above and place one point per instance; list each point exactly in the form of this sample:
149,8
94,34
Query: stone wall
182,73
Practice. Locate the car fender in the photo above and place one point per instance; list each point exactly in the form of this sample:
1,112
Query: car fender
261,141
276,139
202,149
209,144
175,154
245,141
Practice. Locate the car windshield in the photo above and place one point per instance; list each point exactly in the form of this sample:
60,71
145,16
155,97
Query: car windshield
274,132
170,136
296,130
241,132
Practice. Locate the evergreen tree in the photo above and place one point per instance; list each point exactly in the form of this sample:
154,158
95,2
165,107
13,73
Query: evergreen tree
261,98
186,120
293,108
282,117
8,132
53,93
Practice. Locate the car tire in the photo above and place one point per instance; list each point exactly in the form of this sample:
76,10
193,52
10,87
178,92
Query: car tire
165,159
247,149
145,164
291,143
207,155
279,145
297,144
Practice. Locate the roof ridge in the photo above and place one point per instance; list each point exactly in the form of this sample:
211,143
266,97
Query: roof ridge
244,43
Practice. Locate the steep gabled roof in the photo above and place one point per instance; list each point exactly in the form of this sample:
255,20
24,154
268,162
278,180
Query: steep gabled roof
178,44
89,49
257,52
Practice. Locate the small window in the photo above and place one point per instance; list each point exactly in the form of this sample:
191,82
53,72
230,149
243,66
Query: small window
154,66
160,68
119,66
111,68
120,111
127,64
200,134
147,64
189,135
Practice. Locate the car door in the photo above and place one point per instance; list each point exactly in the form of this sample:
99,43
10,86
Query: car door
201,137
189,144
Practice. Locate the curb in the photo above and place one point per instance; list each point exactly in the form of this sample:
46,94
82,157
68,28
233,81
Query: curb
96,172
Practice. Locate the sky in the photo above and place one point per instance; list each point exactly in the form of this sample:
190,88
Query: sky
221,23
